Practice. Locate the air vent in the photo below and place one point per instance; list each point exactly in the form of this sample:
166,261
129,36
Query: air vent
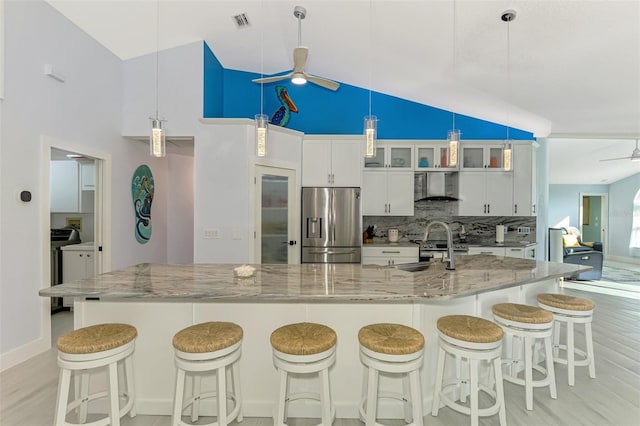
241,20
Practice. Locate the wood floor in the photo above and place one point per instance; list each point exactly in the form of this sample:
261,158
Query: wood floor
27,391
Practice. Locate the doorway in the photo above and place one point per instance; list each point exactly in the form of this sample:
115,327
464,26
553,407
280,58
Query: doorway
80,204
276,215
594,218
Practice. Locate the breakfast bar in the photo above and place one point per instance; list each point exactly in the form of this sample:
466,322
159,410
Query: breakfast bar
160,299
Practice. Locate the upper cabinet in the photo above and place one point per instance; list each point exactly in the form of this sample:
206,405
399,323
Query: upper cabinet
71,187
331,162
485,156
387,193
392,156
525,194
432,156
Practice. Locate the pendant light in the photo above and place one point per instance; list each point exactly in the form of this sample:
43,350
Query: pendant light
261,120
370,121
157,143
507,152
453,137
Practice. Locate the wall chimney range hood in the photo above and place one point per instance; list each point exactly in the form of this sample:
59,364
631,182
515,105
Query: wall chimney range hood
435,186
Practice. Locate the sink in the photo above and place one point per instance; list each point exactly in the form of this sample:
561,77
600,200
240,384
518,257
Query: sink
415,267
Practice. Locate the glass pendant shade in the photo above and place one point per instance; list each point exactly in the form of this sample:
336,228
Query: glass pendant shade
261,134
507,162
370,135
454,140
157,141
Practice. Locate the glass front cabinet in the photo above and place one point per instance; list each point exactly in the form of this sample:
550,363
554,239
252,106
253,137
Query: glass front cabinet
481,156
432,156
391,156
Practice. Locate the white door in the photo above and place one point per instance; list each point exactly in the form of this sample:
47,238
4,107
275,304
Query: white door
276,237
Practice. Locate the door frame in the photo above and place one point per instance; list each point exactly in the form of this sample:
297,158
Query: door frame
102,215
604,214
254,206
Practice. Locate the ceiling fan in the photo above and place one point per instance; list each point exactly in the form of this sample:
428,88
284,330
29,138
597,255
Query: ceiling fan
635,155
298,75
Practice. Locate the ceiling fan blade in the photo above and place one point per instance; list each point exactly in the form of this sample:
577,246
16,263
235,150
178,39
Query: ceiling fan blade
300,55
621,158
272,79
323,82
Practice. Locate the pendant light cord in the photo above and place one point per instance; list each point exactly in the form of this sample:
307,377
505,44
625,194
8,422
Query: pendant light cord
454,56
157,54
370,51
508,76
262,57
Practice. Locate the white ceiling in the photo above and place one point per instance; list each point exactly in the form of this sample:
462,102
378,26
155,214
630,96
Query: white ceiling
572,70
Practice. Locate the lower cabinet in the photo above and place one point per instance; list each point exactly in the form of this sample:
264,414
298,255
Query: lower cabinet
528,252
387,256
76,264
494,251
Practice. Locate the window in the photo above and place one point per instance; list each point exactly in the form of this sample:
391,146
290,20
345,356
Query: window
634,243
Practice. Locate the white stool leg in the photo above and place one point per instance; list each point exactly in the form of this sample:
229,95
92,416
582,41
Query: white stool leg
64,382
196,387
502,412
592,360
473,391
282,398
222,395
372,397
325,398
416,400
550,367
435,407
114,406
556,339
570,353
235,371
406,391
528,373
82,392
131,385
178,397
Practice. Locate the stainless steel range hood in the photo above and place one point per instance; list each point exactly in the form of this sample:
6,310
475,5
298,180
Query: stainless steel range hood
435,186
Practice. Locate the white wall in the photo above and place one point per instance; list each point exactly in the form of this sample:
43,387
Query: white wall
621,195
564,203
85,110
180,209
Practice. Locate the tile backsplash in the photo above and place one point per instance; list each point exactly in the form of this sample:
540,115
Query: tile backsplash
479,229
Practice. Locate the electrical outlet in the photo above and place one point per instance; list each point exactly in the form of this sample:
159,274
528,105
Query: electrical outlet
210,233
524,230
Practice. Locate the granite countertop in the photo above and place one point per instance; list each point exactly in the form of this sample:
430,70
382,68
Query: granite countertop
505,244
388,244
353,283
80,247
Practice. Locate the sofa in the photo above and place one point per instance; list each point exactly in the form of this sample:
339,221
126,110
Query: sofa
577,252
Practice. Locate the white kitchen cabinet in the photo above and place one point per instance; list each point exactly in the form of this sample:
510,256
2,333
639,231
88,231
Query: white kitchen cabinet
88,176
331,162
530,251
494,251
486,156
66,190
524,180
432,156
391,155
388,256
514,252
387,193
77,262
485,194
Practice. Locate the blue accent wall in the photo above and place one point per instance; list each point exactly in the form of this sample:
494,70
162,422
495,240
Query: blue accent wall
213,85
322,111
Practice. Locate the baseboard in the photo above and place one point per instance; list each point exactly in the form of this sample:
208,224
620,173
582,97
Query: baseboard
624,259
22,353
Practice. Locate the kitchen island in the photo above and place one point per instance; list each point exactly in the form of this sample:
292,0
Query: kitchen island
159,300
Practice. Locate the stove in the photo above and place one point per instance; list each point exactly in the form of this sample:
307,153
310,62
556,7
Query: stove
429,248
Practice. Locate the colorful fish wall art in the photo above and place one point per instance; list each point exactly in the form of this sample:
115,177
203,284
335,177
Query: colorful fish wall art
282,115
142,189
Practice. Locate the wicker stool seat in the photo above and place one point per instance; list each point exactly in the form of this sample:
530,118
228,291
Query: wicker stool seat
204,348
473,339
532,326
97,346
571,310
393,349
304,348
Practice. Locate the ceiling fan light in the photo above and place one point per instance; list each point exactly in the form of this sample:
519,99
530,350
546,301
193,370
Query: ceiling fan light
298,78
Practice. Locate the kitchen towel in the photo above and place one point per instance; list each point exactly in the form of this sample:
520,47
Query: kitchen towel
499,234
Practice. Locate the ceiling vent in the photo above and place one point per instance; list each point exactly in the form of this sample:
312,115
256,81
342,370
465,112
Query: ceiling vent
241,20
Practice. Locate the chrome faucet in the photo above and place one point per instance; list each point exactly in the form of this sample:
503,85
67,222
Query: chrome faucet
451,265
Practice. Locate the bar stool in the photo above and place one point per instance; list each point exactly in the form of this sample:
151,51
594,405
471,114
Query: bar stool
204,348
304,348
96,346
571,310
528,323
395,349
475,339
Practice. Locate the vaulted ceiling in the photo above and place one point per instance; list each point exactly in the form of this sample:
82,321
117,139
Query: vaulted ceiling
562,68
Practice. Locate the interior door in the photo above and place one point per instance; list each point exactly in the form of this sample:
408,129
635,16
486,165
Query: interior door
276,238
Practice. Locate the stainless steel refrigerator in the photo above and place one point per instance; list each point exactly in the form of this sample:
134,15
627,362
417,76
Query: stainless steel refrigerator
331,225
